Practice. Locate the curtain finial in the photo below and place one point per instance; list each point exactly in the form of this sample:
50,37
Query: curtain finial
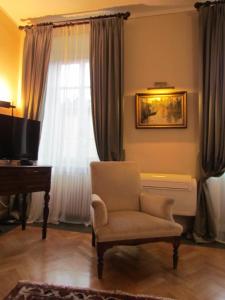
197,5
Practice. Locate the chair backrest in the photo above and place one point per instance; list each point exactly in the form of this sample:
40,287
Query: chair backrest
117,183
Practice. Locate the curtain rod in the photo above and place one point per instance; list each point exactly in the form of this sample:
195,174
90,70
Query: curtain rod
207,3
125,16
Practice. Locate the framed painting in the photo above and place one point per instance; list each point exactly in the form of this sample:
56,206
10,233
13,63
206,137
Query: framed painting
161,110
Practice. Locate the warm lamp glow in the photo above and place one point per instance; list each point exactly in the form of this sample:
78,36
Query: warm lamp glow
5,94
162,90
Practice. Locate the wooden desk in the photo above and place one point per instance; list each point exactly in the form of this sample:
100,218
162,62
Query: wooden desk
24,180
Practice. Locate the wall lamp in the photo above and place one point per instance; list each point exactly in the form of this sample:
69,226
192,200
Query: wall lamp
160,85
7,104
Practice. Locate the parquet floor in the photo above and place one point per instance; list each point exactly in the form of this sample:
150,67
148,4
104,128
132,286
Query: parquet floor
68,258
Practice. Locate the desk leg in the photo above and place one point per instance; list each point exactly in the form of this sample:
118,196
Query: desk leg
24,211
45,215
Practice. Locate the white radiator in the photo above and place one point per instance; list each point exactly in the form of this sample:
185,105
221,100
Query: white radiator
182,188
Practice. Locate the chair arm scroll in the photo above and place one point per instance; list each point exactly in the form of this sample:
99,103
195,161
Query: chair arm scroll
99,212
157,206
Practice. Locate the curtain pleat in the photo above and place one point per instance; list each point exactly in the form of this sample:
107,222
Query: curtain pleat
106,68
37,47
212,34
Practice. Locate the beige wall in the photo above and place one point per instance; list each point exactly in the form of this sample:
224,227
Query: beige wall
162,48
10,49
157,48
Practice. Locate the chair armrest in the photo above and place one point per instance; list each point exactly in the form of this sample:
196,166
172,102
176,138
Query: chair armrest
157,206
99,212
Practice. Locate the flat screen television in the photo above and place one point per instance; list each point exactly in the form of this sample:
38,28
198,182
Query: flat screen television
19,138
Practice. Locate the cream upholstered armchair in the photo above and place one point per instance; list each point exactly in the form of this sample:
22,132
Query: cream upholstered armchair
123,215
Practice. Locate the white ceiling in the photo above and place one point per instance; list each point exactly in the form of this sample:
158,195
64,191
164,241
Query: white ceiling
27,11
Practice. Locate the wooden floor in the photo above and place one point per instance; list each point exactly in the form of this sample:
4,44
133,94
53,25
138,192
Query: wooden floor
68,258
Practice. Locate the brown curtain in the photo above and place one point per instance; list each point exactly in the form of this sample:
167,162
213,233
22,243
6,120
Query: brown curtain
36,56
212,34
106,68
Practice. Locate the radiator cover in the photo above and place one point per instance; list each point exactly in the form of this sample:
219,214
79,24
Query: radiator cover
181,188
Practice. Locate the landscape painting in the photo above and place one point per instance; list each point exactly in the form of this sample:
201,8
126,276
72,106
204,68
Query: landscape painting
161,110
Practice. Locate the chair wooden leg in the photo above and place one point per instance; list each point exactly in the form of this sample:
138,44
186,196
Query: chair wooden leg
176,244
93,238
100,253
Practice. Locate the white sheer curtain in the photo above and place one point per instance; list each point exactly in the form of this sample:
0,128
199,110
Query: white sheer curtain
67,138
217,192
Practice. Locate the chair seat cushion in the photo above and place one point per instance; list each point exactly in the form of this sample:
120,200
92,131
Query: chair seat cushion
129,225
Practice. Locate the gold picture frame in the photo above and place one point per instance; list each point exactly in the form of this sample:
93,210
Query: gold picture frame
161,110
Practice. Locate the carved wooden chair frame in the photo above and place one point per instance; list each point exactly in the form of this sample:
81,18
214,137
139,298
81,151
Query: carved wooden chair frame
101,247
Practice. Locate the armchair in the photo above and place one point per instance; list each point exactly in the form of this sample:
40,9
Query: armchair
123,215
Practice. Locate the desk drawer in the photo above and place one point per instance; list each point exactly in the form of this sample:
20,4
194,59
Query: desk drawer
24,179
17,171
37,171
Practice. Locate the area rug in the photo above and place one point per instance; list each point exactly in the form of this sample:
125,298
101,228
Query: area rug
25,290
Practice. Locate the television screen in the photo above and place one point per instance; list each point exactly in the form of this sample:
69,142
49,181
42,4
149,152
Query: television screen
19,138
5,137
